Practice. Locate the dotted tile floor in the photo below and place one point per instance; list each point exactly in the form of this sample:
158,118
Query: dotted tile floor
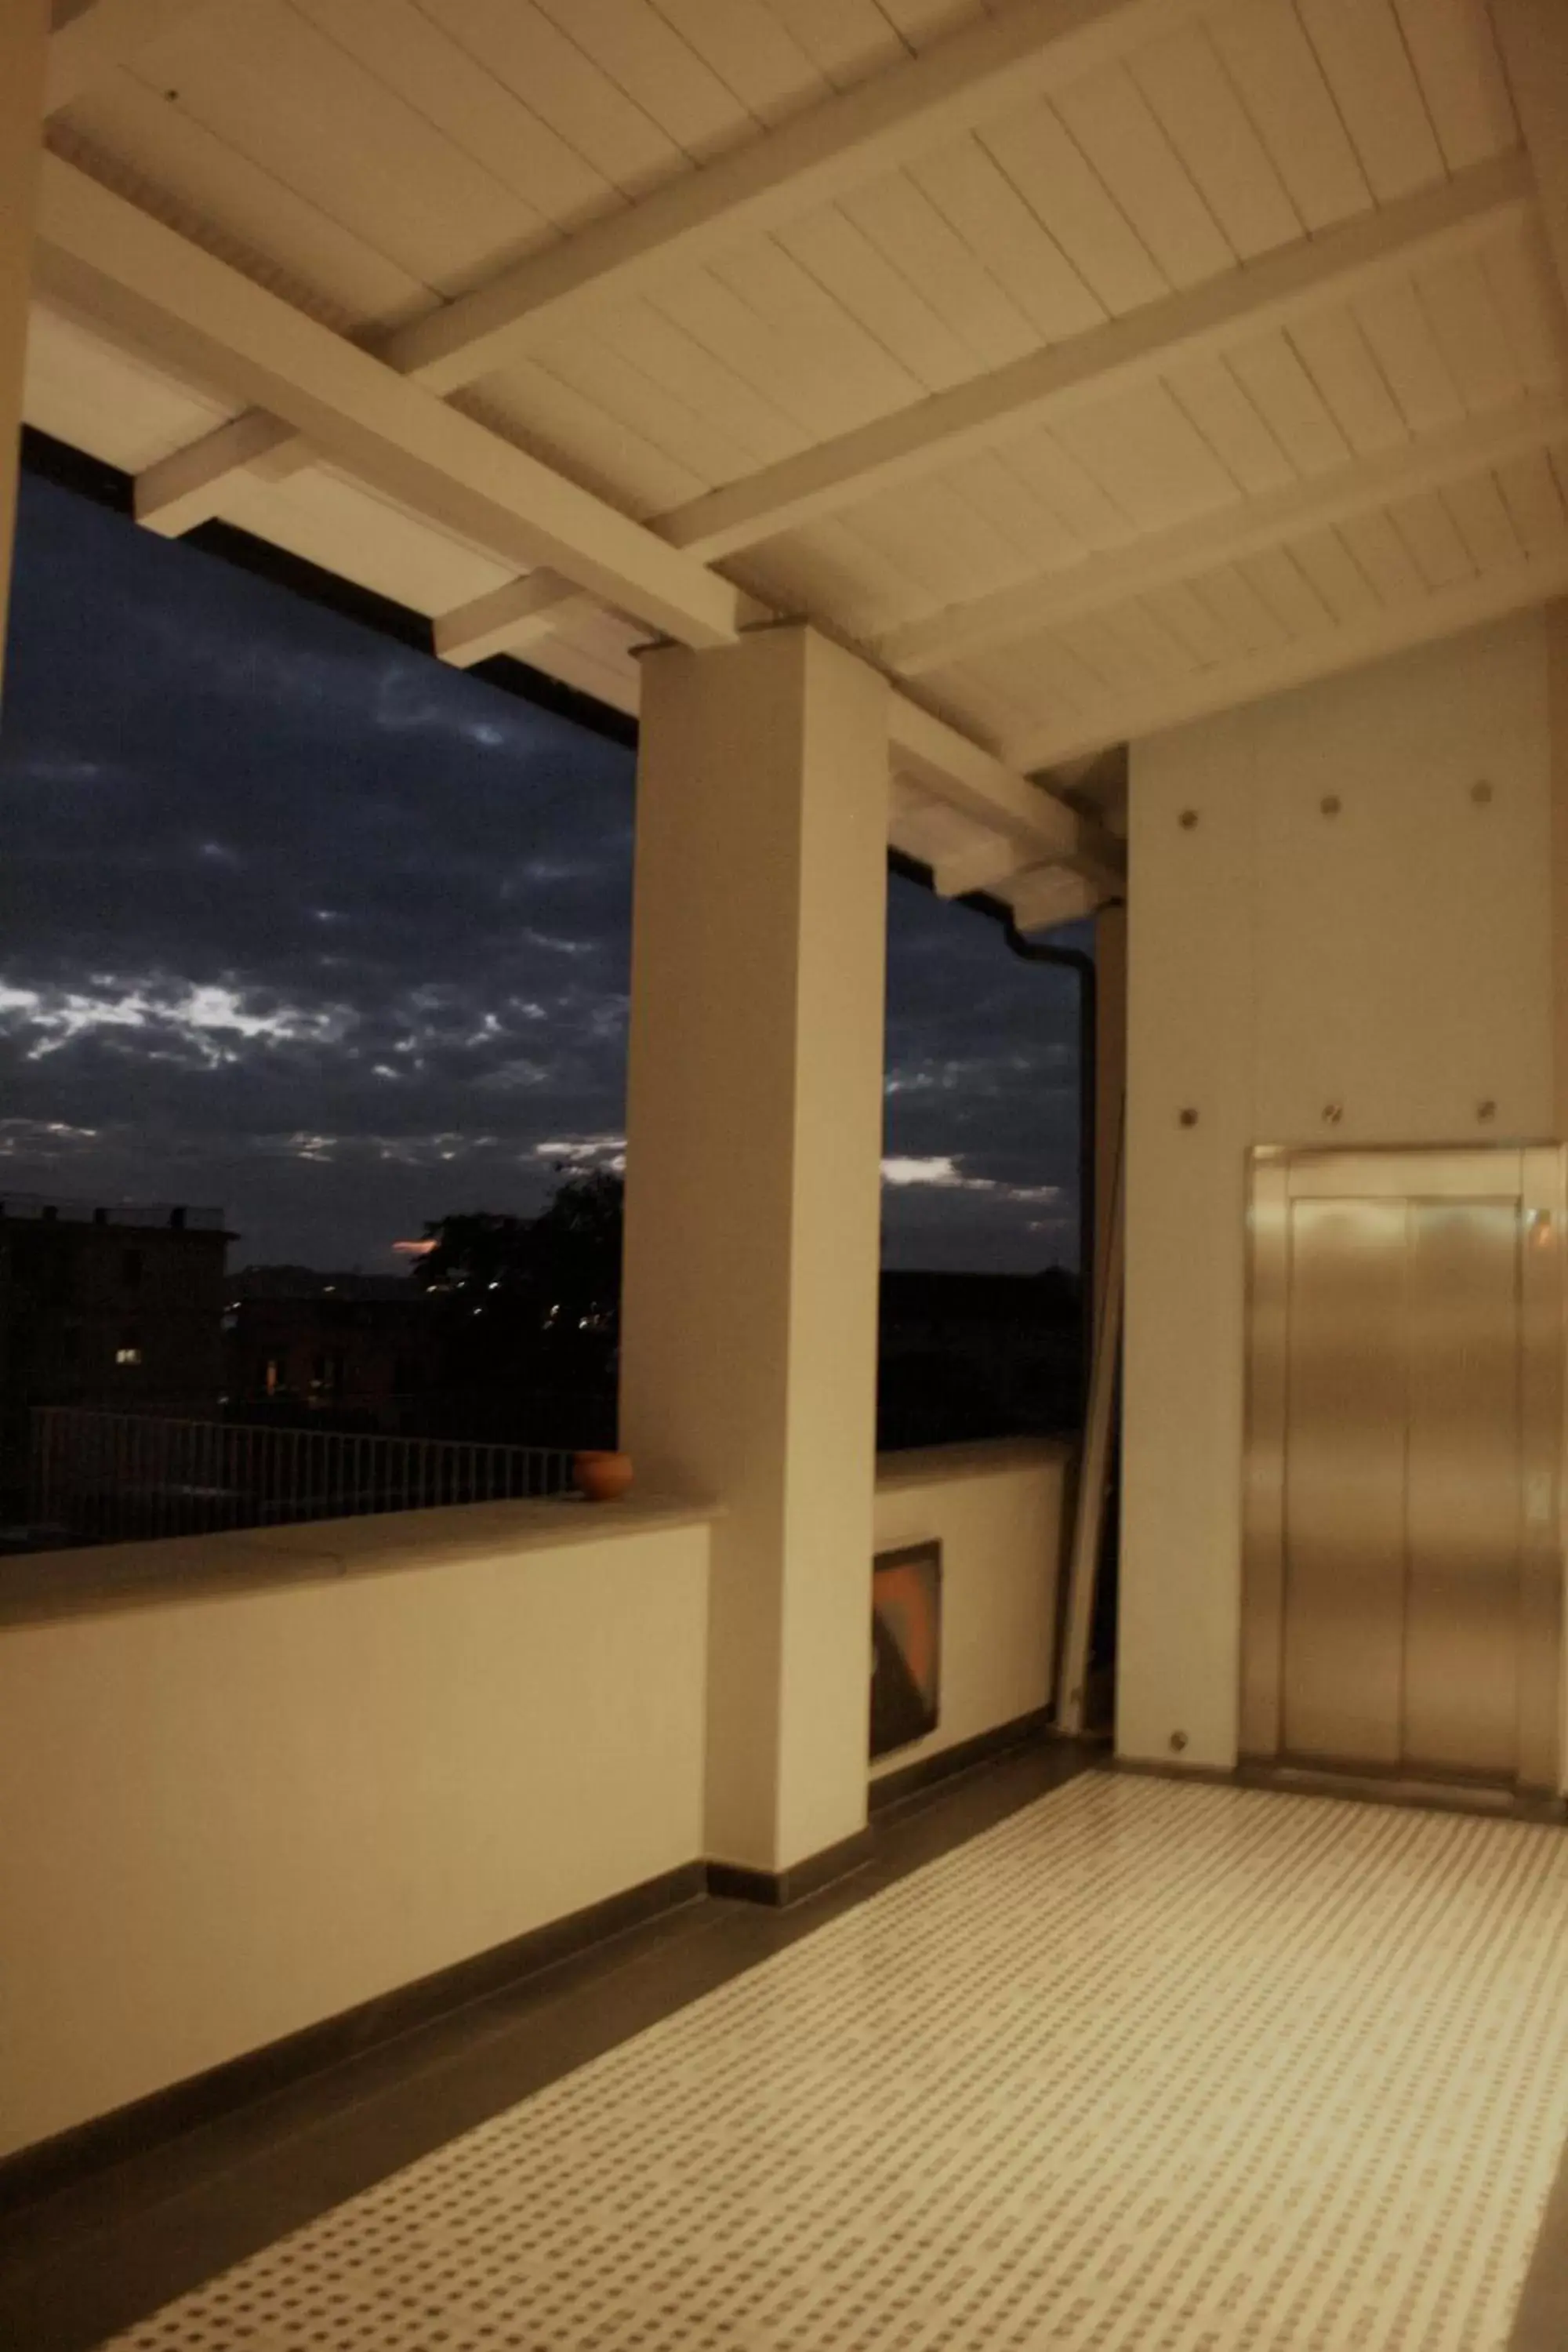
1147,2068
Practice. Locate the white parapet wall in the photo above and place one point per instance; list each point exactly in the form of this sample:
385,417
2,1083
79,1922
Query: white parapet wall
250,1781
999,1511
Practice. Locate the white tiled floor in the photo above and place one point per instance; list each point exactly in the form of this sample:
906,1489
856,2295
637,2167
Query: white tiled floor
1150,2068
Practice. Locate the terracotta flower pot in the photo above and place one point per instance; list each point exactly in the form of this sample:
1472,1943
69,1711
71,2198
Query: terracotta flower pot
602,1476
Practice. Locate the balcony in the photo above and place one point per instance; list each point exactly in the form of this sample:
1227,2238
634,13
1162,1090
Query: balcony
1112,456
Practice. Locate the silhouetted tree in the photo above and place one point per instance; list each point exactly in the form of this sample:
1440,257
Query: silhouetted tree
531,1300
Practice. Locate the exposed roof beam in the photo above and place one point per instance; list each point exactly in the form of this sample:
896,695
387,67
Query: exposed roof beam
941,760
982,867
986,69
104,35
129,274
1116,358
1049,894
1534,36
1332,268
508,618
1442,613
1235,531
983,71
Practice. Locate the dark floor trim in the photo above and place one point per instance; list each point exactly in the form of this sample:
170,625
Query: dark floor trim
73,2155
1354,1788
779,1888
927,1771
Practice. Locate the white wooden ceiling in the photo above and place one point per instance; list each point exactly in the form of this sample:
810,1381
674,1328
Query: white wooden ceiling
1090,363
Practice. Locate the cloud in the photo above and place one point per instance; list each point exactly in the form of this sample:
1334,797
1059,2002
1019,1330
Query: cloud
940,1169
584,1153
298,922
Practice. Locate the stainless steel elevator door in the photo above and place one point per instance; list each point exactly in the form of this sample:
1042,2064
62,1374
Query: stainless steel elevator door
1462,1485
1402,1484
1404,1561
1345,1481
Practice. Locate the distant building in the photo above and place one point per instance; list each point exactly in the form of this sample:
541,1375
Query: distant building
360,1346
118,1306
121,1304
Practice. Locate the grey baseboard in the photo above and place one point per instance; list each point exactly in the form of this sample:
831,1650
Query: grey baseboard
927,1771
778,1888
71,2156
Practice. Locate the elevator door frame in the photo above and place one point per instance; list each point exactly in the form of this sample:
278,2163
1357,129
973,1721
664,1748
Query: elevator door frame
1533,1177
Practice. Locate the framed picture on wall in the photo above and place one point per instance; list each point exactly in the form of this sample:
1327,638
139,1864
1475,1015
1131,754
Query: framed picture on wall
906,1645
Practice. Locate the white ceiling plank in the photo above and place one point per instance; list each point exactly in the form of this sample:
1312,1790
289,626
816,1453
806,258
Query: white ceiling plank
1286,590
1524,285
103,35
964,180
1106,580
1383,556
1534,36
1483,521
1345,590
1368,67
1534,501
1273,66
1271,372
105,257
1202,115
1253,623
1333,350
1425,620
1470,333
1054,177
1399,336
1428,530
1231,425
1456,58
1117,357
1114,125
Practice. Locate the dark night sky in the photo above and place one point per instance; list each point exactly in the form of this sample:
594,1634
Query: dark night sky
297,922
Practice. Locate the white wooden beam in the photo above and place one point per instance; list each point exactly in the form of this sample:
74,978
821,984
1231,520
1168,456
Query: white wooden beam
984,867
1533,37
1048,894
1459,214
984,71
1246,527
186,489
1444,614
508,619
104,35
115,264
935,756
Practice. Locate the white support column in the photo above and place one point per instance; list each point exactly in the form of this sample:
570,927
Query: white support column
24,56
754,1122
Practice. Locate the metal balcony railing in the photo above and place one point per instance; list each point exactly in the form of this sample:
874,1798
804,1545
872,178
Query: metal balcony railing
118,1477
